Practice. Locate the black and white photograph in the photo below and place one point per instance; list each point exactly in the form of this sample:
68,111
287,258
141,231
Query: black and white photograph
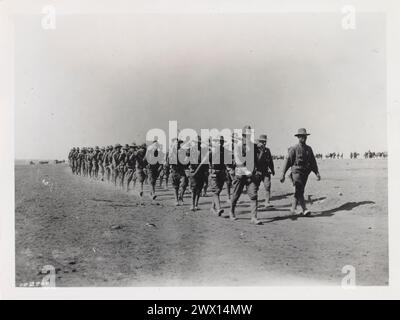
228,148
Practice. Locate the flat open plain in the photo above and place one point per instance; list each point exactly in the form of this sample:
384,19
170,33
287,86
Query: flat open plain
97,235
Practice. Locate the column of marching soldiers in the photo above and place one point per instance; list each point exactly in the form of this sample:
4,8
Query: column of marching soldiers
126,165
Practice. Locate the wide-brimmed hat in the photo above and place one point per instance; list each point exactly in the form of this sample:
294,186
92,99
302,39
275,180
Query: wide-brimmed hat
263,137
117,145
302,132
97,148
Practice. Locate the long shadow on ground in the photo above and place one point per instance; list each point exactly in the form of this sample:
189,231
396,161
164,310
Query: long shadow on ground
348,206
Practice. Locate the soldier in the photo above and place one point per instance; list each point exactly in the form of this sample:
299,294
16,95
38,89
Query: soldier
154,169
230,168
302,162
164,174
77,161
246,176
73,160
115,163
82,157
141,164
123,158
198,170
207,173
266,166
130,164
178,175
88,160
95,162
100,161
218,172
107,161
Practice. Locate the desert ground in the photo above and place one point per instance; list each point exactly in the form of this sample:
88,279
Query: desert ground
97,235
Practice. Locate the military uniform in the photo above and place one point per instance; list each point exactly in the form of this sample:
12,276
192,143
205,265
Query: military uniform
123,158
95,162
218,174
164,174
130,165
266,166
82,163
197,171
70,161
178,175
107,162
244,176
141,164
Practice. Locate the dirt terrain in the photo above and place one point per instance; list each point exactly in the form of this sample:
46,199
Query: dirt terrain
96,235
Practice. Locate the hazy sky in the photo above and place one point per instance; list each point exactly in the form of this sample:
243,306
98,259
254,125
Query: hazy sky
102,79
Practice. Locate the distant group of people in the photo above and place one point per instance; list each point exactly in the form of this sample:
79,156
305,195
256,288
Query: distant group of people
122,165
333,155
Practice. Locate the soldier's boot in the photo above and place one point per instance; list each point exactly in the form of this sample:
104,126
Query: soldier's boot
305,211
253,209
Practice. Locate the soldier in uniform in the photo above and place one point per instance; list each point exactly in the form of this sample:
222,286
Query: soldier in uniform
141,164
70,162
123,158
77,161
230,168
95,162
88,160
100,161
266,166
130,164
154,169
82,161
115,163
302,162
164,174
107,162
178,175
246,176
198,170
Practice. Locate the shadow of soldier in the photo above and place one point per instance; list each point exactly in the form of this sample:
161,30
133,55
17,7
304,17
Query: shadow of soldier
348,206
